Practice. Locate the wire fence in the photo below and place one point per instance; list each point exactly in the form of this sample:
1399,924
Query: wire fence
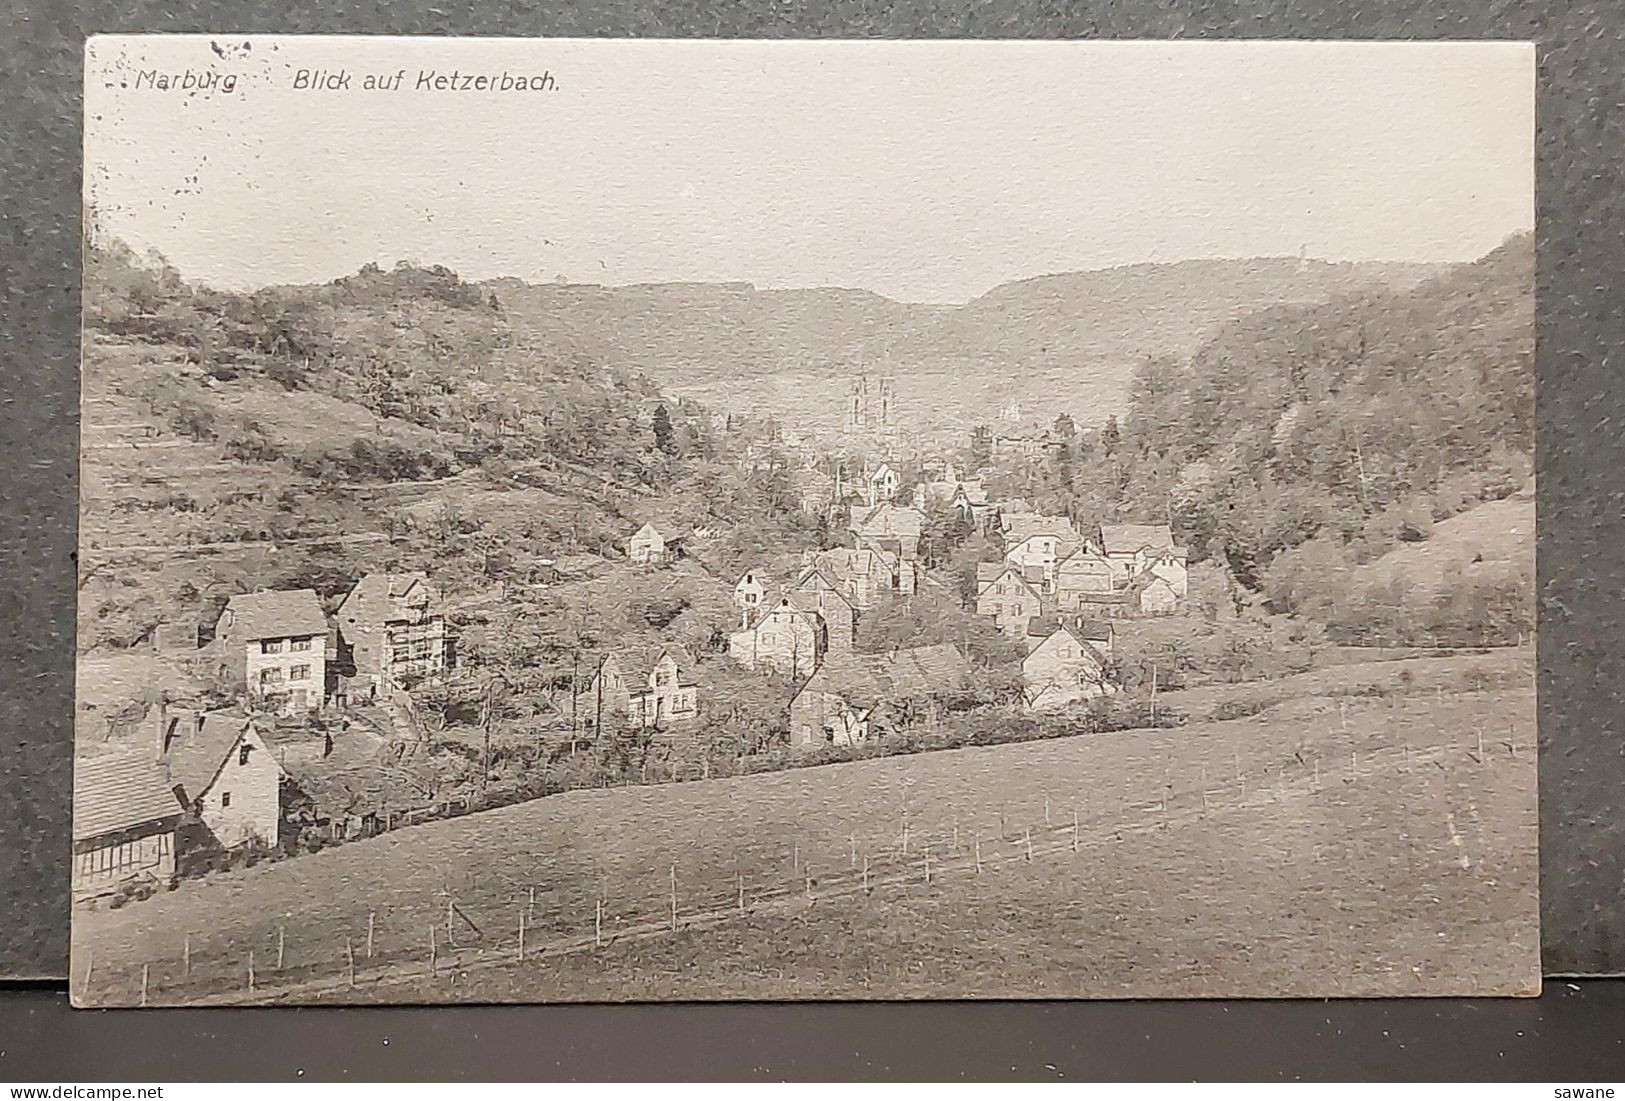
383,947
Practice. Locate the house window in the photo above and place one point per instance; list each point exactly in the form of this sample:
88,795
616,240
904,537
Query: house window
665,678
225,799
299,672
299,644
271,646
242,754
270,676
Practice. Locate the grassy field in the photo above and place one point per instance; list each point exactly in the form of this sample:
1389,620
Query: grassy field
1327,845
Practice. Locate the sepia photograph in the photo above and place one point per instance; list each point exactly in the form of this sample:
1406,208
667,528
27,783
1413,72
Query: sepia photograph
576,520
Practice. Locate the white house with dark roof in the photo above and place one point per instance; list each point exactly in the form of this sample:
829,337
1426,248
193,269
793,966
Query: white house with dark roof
125,822
276,641
222,773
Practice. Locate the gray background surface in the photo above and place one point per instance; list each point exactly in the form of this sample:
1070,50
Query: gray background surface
1581,245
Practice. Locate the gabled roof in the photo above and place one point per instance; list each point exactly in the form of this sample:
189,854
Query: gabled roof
276,613
986,579
1082,628
846,562
889,519
385,592
198,750
1083,554
865,680
989,572
1022,526
647,527
831,585
119,791
1129,538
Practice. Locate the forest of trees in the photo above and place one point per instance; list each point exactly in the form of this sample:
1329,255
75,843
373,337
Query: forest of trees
1303,441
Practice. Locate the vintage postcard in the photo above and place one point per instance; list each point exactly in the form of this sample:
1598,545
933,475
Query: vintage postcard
612,520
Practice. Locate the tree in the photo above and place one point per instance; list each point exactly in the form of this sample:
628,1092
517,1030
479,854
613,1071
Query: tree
665,439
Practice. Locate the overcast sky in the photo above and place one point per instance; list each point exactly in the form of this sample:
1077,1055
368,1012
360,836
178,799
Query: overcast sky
924,171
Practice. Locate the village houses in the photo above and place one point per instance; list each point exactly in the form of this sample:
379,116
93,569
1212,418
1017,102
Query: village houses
1082,572
615,697
1033,540
853,697
1067,662
275,641
1135,549
392,632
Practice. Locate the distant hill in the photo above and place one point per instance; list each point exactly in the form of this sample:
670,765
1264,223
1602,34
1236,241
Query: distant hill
1057,342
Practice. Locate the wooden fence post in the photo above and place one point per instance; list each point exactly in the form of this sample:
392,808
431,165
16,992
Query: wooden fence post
1480,735
281,944
186,957
853,839
371,917
808,882
1029,845
956,833
349,958
1074,829
598,924
928,867
741,892
674,898
905,837
521,935
1046,810
144,985
865,871
978,854
251,971
434,952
